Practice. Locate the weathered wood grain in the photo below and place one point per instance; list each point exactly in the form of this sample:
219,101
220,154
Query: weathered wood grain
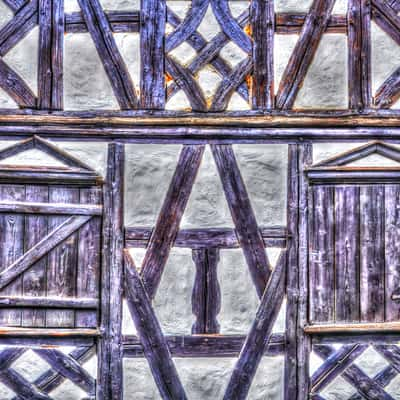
110,372
120,22
11,250
62,259
372,253
392,254
334,365
34,206
292,274
242,215
69,368
359,59
347,257
47,302
206,295
34,279
114,65
51,52
15,87
263,31
89,259
167,225
19,26
154,344
322,254
152,30
204,346
223,238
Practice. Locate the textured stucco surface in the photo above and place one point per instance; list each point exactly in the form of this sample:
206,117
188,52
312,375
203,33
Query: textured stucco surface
204,379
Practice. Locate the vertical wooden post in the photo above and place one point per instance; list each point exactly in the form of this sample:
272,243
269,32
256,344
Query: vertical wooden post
110,350
359,45
298,344
153,16
263,27
206,296
51,40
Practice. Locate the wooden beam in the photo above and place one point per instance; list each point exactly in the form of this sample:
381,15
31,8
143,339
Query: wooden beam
292,289
110,373
367,327
242,215
47,332
49,242
259,334
69,368
206,295
303,53
17,28
263,31
51,52
194,346
152,31
149,331
26,207
113,63
359,59
334,366
120,22
167,225
48,302
15,5
15,87
222,238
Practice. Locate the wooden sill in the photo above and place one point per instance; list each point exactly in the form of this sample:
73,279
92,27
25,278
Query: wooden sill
371,327
44,332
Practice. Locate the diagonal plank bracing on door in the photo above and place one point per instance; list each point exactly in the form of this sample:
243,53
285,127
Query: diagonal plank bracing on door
51,240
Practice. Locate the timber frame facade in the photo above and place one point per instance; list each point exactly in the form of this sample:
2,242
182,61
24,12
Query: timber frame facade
330,206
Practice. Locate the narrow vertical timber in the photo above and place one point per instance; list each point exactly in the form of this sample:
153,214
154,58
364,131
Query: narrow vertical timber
347,261
263,31
34,280
62,261
322,254
89,258
155,346
392,251
168,221
51,43
206,297
292,274
372,253
243,216
359,48
11,248
110,372
153,17
303,340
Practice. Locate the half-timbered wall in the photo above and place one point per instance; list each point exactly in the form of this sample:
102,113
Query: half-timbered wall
199,199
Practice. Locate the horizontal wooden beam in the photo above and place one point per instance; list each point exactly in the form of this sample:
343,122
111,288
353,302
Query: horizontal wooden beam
204,345
223,238
49,302
23,207
371,327
47,332
120,21
10,174
344,175
129,22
